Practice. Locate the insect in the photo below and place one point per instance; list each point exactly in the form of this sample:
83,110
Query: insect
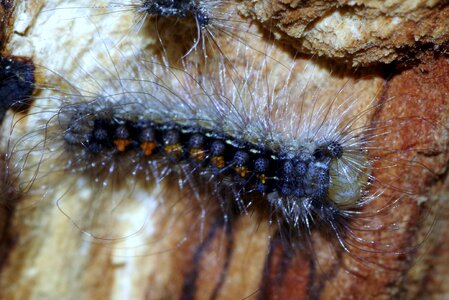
16,82
214,23
195,30
160,205
238,148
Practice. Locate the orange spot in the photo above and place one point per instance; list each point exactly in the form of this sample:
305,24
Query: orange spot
147,148
242,171
121,144
218,161
197,153
175,149
262,178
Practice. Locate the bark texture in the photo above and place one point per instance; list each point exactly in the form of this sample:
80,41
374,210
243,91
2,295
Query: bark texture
356,32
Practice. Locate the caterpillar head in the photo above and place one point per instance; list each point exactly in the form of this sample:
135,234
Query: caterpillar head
348,173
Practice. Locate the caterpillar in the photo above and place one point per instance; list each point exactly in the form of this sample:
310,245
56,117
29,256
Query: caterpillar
236,147
215,23
16,81
194,30
16,88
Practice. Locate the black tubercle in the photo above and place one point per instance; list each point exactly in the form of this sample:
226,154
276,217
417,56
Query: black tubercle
178,9
253,168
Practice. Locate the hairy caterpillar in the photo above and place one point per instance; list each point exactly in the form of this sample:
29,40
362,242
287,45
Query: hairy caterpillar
123,132
194,29
215,24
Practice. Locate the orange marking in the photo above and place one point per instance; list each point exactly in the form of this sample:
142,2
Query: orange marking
121,144
197,153
175,149
242,171
262,178
218,161
148,148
